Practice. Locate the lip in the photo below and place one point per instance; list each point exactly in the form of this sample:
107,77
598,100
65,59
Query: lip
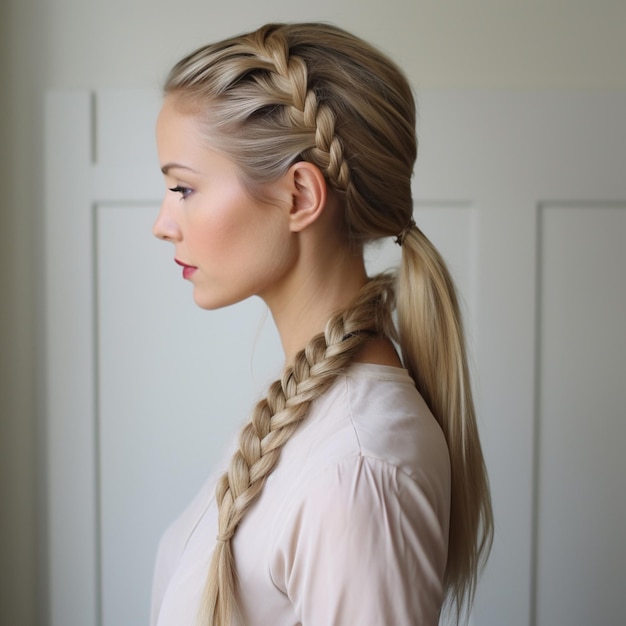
188,270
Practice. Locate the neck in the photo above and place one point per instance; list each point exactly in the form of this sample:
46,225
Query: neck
315,292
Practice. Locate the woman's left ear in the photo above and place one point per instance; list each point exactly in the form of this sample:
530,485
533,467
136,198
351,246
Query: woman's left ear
308,197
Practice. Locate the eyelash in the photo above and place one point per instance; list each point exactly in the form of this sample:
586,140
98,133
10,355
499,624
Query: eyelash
183,191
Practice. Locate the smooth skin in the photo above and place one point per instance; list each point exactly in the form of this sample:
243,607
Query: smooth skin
289,251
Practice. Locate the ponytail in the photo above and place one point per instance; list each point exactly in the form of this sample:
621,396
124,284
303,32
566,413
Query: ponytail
432,341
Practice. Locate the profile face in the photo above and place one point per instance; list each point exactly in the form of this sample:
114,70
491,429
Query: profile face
229,245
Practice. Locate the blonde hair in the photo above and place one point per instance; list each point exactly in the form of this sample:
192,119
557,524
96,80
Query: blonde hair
314,92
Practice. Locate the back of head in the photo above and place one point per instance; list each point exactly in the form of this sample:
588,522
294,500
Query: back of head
313,92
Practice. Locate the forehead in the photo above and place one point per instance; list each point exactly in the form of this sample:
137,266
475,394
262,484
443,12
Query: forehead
180,133
173,119
184,143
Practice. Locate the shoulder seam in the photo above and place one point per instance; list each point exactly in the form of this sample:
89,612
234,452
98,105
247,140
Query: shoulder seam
351,416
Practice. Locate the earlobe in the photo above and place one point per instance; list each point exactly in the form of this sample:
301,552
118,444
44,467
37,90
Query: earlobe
309,194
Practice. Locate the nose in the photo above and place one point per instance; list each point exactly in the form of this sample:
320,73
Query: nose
165,226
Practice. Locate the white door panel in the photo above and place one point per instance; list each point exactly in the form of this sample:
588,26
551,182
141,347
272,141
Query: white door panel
581,550
524,193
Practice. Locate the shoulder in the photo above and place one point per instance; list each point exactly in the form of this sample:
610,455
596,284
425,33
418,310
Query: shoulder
371,457
375,411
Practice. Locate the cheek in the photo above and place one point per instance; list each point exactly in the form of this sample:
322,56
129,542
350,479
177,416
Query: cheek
216,226
231,214
248,237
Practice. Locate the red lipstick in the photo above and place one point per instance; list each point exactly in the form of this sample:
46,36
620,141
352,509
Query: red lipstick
188,270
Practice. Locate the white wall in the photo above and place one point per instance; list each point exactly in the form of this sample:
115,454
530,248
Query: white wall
496,43
119,43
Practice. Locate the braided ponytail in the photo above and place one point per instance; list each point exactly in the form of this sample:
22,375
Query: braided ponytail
313,92
276,417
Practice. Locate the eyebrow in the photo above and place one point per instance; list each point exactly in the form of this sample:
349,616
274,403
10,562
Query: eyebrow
166,168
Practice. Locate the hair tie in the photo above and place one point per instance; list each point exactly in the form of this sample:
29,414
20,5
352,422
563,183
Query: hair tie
400,237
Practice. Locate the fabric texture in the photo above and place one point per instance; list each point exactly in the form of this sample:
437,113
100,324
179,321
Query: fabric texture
351,527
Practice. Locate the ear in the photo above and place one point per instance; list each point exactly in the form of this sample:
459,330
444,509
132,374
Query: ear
308,195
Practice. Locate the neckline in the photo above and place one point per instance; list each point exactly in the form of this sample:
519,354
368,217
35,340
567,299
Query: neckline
378,371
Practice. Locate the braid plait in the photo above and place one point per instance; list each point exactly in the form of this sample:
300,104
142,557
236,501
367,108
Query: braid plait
275,419
290,80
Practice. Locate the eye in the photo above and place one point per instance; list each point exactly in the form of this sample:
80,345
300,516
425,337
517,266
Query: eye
183,191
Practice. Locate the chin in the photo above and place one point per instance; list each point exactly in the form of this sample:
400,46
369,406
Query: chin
210,305
213,302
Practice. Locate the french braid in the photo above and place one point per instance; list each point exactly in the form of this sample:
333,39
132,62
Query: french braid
290,81
283,94
277,416
313,92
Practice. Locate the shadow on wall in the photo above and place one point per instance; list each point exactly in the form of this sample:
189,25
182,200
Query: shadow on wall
21,183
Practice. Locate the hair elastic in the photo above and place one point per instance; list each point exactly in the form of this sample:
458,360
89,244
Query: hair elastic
400,237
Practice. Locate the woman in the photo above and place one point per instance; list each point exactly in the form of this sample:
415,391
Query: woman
357,493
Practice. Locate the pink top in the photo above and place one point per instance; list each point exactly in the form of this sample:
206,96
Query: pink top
351,527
